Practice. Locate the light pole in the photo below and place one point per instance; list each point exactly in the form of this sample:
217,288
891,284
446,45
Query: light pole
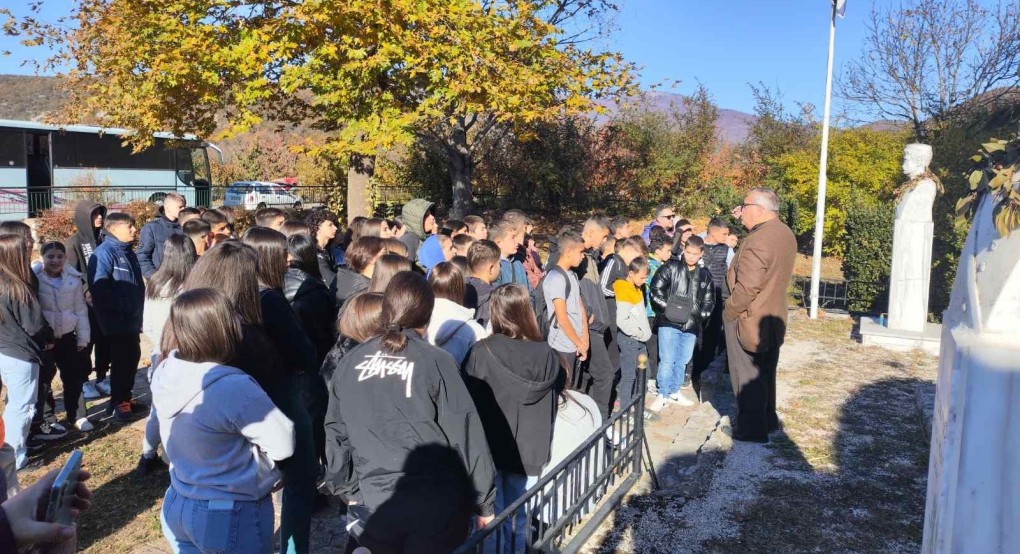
838,9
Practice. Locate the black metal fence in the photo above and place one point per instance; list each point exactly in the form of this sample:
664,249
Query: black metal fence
567,505
853,297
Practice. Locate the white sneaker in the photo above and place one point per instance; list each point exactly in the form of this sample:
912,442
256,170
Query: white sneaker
660,403
104,386
89,391
84,425
680,399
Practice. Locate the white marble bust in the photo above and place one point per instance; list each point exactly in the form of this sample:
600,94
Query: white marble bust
915,204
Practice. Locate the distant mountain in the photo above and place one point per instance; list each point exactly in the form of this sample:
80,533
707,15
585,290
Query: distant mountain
29,98
732,127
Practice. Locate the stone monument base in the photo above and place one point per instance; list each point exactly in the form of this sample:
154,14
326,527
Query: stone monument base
873,333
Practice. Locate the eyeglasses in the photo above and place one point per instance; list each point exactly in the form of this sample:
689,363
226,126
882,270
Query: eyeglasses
668,216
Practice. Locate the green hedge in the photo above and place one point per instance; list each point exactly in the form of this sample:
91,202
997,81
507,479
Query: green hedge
868,254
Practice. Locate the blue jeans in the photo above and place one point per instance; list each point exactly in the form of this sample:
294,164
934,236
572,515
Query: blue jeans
510,487
220,526
22,380
630,349
675,350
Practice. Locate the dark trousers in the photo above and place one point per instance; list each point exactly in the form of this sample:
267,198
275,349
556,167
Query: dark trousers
74,370
125,353
101,347
600,373
712,342
753,375
652,345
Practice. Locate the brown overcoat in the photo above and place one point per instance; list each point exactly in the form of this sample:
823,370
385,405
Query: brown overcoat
758,279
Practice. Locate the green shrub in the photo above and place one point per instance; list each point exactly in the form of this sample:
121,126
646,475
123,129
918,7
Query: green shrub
868,254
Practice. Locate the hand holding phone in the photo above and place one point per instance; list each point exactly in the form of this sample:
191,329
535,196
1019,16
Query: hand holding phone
26,512
62,492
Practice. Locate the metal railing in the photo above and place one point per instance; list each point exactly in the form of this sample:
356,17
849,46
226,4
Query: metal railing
562,510
840,295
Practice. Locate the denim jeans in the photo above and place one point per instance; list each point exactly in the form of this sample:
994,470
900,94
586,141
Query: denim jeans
300,471
675,350
220,526
22,380
630,349
510,487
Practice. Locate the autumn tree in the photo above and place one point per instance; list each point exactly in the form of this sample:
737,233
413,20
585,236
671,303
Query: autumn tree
371,73
925,58
665,153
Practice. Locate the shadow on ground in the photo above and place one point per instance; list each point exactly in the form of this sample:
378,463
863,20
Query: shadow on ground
865,493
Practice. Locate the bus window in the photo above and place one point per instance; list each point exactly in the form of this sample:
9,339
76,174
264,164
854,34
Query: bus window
200,164
12,149
65,150
185,168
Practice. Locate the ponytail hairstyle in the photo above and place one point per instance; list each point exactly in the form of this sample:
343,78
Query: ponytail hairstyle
179,256
511,313
232,268
271,248
15,279
408,305
304,254
202,327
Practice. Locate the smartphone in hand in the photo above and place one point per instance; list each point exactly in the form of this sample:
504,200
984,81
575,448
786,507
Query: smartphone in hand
63,491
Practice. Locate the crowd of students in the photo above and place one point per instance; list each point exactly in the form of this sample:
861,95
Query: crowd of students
428,374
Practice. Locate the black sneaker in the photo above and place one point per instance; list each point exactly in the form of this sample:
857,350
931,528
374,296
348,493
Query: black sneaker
123,413
50,433
148,466
35,445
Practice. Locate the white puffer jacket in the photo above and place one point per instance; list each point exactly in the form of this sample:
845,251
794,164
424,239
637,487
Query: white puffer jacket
454,329
63,303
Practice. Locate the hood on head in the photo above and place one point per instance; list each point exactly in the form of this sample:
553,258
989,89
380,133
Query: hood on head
84,213
430,253
413,216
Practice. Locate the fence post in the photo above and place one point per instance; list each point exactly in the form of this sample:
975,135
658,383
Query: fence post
639,415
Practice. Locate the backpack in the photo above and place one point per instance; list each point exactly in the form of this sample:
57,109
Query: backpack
546,320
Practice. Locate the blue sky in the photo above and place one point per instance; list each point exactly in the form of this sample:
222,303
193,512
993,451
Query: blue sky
724,44
727,44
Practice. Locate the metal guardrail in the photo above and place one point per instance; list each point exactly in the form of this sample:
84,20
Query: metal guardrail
569,503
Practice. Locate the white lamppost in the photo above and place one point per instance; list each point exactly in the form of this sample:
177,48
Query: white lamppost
838,9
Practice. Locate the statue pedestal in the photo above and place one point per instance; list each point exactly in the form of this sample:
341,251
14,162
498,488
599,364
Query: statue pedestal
873,333
973,502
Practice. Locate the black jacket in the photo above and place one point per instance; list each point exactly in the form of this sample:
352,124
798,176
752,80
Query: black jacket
84,241
674,279
315,307
23,330
284,330
341,347
715,261
513,384
151,242
347,284
476,297
327,267
389,410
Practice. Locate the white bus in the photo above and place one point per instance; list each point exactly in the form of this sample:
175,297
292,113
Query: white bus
48,166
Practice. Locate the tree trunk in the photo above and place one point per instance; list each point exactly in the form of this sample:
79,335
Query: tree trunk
359,186
461,167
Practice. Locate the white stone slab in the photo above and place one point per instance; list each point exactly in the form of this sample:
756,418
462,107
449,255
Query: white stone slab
874,333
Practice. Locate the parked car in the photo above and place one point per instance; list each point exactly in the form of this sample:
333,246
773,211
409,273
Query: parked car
254,195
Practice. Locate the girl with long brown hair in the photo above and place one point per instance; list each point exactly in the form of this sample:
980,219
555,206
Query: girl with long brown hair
222,433
23,335
400,413
512,376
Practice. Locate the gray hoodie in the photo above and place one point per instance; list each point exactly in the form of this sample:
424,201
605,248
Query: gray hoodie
220,431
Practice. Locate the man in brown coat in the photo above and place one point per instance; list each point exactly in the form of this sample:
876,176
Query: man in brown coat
754,317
